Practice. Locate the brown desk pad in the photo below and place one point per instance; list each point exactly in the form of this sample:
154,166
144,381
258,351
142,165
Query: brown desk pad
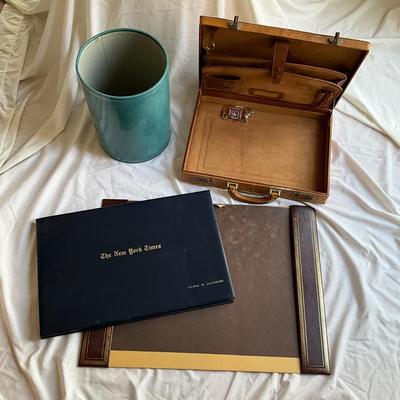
258,332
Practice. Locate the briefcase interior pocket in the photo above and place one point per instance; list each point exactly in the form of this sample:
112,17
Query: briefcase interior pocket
218,60
257,82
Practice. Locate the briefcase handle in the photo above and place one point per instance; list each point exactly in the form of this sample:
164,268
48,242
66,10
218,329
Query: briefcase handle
235,194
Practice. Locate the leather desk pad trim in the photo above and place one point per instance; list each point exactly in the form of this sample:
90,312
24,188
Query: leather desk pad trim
311,321
311,310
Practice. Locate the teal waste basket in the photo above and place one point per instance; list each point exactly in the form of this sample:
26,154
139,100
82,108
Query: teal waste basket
124,75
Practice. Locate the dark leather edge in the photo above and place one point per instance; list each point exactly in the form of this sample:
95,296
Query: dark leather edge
309,292
113,202
96,345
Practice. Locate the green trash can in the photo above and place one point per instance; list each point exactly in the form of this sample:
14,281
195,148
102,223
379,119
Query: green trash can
124,74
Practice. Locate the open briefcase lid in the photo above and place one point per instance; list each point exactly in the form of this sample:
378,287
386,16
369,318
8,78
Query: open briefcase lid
221,37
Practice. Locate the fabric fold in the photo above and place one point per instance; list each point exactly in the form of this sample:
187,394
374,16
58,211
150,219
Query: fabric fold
14,34
30,7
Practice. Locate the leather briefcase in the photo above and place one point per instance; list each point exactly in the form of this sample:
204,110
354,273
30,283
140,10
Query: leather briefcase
263,118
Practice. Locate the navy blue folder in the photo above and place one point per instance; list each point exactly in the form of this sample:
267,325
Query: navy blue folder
124,263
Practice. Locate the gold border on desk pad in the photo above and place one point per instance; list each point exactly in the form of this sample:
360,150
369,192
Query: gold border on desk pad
202,361
320,292
299,287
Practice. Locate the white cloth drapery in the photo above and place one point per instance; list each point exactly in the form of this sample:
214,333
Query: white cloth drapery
51,162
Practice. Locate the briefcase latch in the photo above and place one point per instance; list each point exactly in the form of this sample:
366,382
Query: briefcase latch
236,113
274,192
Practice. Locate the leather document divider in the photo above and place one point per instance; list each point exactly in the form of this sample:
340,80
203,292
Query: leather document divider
305,70
262,123
257,82
115,265
258,332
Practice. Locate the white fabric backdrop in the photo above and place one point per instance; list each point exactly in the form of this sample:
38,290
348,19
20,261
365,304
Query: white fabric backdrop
51,162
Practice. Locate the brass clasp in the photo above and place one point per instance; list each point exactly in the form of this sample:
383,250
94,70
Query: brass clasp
276,192
236,113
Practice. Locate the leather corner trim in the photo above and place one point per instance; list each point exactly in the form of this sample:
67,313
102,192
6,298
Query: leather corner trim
96,346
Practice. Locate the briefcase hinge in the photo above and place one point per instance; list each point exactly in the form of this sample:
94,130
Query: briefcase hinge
335,40
235,23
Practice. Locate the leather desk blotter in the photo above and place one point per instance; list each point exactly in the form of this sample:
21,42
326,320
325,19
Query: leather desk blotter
276,324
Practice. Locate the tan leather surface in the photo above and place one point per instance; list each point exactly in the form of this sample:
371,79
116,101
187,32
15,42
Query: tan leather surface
300,69
235,194
278,146
257,41
261,321
281,49
258,82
